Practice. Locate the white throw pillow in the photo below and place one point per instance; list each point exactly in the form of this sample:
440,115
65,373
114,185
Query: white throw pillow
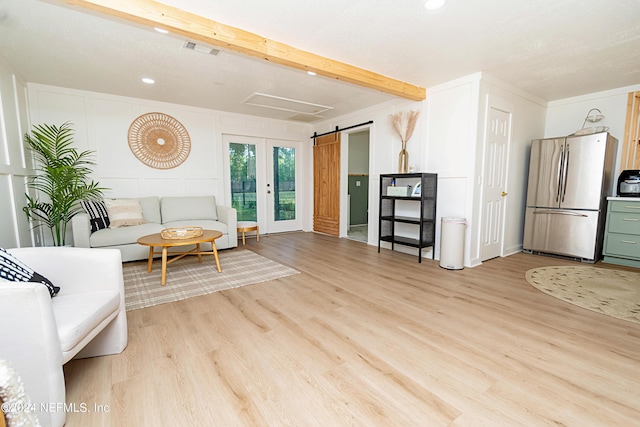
124,212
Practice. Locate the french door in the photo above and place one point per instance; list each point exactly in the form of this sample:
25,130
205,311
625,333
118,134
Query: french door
263,178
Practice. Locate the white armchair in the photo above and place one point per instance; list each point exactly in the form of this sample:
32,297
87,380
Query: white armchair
87,318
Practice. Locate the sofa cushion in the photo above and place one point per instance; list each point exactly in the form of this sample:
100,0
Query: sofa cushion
122,235
205,224
151,208
188,208
98,215
14,270
124,212
78,314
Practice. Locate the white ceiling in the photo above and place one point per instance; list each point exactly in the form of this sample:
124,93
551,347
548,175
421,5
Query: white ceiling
552,49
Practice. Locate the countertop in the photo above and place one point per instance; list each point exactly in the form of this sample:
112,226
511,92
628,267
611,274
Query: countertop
624,199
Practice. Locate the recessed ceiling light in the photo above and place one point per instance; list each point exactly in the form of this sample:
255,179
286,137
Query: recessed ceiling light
161,30
434,4
148,81
311,73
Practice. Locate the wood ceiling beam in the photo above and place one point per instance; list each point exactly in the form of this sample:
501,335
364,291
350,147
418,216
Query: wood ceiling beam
177,21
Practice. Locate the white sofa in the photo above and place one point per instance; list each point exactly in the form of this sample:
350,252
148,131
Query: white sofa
160,213
86,318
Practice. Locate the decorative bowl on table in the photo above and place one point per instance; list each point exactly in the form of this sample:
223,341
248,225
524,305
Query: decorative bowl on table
181,233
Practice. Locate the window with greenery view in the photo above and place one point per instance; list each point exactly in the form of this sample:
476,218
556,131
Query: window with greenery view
284,177
242,159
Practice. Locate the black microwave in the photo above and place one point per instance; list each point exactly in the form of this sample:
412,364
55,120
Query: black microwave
629,183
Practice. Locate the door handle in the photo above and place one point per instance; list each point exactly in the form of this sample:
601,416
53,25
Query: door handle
566,174
557,212
504,193
559,179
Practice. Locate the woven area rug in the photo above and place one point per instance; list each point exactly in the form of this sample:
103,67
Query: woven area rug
615,293
187,278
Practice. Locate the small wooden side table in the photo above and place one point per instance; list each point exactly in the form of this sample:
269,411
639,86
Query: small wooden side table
153,240
245,226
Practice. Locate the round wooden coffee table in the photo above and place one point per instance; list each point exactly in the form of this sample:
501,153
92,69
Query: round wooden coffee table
156,240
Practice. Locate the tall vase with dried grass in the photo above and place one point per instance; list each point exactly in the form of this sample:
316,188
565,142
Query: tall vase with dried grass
404,124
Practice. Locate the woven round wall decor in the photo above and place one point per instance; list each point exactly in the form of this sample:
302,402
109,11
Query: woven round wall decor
158,140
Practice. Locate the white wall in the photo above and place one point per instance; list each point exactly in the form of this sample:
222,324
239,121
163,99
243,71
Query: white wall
14,165
457,127
566,116
449,141
528,121
441,144
384,146
101,122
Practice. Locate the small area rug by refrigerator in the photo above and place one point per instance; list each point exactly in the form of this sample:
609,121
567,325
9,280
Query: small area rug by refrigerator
612,292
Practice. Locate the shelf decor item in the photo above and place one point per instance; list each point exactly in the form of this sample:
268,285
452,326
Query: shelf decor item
402,191
404,124
417,190
159,141
181,233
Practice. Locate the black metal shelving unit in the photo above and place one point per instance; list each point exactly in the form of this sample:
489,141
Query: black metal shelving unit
425,218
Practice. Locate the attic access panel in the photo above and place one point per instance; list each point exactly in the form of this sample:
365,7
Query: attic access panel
285,104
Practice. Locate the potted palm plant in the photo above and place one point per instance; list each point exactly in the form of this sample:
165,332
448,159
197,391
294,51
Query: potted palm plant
62,179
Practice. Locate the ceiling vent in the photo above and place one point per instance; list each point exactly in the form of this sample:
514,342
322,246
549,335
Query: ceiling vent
285,104
202,49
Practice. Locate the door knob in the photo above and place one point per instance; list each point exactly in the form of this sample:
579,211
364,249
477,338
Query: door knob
504,193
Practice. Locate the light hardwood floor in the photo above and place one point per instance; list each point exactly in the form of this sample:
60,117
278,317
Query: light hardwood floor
361,338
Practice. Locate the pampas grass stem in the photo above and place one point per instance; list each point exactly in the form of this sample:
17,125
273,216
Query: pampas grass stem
404,124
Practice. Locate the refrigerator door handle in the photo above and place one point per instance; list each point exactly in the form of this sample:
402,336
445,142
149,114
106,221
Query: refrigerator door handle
566,174
559,179
557,212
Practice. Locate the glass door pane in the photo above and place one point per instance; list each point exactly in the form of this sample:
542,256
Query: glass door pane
242,167
283,176
284,183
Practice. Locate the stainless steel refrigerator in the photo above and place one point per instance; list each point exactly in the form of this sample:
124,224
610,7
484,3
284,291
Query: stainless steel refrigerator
569,181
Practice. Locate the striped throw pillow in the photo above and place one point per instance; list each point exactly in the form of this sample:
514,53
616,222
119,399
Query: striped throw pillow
98,214
14,270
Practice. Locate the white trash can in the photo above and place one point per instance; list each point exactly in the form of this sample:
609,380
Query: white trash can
452,243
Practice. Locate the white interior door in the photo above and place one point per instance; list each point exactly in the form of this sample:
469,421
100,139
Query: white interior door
494,183
262,178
